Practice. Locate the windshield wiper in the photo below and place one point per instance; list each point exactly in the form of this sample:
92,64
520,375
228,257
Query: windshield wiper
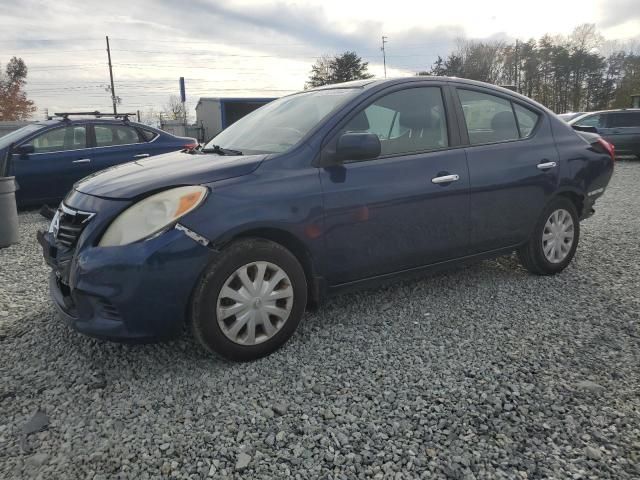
221,151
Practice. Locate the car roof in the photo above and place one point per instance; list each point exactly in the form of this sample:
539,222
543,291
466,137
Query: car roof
375,83
614,110
599,112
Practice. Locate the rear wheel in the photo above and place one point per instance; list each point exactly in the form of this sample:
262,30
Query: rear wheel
554,241
250,301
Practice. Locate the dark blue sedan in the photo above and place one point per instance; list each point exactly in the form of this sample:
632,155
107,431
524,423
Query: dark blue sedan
48,157
317,192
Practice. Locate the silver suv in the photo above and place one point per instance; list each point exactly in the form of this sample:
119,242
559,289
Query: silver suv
619,127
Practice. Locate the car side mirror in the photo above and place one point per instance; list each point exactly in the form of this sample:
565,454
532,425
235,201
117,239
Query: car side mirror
357,146
24,150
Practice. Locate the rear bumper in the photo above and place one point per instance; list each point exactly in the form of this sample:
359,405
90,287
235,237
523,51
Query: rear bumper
138,292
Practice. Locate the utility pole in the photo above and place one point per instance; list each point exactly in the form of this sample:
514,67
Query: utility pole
113,91
183,99
515,64
384,55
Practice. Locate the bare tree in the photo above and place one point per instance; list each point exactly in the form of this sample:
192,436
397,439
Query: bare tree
585,37
320,72
150,116
481,60
174,109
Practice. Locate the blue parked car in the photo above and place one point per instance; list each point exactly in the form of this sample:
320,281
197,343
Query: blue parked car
48,157
317,192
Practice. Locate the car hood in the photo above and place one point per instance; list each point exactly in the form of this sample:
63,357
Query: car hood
130,180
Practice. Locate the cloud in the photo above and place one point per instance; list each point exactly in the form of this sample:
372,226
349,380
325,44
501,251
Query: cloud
617,12
220,45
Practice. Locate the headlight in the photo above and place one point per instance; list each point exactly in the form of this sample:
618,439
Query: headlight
152,215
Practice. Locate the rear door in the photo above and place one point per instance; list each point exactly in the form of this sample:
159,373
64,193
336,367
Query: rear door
513,166
623,130
117,143
393,212
61,157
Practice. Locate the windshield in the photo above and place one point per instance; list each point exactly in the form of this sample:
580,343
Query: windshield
281,124
17,135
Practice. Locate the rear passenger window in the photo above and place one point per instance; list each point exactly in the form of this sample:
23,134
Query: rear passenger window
148,134
489,118
406,121
527,119
110,135
624,119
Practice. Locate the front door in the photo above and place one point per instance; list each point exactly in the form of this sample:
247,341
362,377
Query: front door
61,157
513,168
405,209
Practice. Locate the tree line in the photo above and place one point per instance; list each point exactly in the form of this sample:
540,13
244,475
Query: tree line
562,73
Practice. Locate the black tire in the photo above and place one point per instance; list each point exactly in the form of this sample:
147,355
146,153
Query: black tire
204,321
531,254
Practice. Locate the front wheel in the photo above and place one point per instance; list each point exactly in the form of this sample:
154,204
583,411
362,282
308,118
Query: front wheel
250,301
554,240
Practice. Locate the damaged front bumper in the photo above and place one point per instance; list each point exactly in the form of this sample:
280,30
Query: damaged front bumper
136,292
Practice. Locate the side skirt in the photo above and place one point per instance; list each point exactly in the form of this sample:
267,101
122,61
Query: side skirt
378,280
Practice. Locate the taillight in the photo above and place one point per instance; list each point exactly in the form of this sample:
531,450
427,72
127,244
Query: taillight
190,146
609,148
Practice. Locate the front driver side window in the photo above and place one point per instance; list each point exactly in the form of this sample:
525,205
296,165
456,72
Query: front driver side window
60,139
591,121
406,121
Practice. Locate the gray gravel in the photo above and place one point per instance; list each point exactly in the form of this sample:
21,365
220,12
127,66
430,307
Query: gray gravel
22,274
485,372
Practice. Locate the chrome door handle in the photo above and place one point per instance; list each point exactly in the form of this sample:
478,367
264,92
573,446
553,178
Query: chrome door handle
445,179
547,165
141,155
82,160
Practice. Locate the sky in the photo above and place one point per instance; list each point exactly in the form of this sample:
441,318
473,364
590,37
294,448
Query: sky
240,48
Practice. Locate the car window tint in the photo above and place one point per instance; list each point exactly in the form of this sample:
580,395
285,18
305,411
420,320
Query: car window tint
110,135
60,139
148,134
624,119
407,121
489,118
527,119
590,121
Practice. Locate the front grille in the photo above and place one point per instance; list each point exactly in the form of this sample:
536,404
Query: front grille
68,225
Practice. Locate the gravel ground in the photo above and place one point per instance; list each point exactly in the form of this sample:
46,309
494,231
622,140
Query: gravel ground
484,372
